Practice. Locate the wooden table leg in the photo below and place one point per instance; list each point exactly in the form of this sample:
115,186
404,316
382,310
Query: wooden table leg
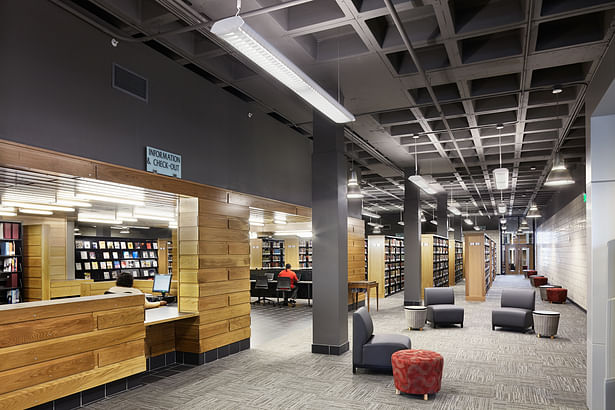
376,296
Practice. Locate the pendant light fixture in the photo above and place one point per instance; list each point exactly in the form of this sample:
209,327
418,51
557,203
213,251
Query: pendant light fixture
354,192
559,175
534,212
401,218
423,219
243,38
433,218
476,228
500,175
468,221
416,179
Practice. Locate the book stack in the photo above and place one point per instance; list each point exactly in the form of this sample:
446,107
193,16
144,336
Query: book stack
9,230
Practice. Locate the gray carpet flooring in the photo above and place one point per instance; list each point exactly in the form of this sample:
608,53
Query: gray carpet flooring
483,369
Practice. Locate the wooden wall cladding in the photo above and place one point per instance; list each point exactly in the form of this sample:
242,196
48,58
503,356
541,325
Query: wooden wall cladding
356,253
214,265
91,288
53,349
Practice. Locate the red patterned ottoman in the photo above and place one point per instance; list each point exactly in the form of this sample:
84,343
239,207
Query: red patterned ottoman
417,371
538,281
529,272
557,295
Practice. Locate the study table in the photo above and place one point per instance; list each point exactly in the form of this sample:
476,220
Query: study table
302,283
358,285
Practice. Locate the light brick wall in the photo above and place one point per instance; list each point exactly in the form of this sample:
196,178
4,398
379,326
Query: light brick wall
561,252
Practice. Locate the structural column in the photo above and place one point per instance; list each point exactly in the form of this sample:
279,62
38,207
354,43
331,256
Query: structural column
457,224
330,238
601,286
442,214
412,242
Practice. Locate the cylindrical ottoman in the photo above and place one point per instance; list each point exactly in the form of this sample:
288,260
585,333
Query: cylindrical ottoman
415,316
417,371
545,323
538,280
529,272
557,295
543,290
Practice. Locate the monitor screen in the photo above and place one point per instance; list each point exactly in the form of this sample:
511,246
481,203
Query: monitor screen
162,283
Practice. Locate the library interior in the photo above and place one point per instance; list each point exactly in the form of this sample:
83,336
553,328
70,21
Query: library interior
307,204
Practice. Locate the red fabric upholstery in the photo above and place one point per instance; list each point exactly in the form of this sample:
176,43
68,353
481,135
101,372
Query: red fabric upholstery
557,295
529,273
417,371
538,281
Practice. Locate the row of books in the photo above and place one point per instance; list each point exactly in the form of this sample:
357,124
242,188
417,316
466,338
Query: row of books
8,248
10,265
91,244
123,264
116,255
13,296
9,230
108,275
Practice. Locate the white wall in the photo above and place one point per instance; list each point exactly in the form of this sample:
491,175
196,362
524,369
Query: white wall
561,250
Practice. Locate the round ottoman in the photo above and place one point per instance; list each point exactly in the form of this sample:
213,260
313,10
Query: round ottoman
529,272
538,280
415,316
557,295
545,322
417,371
543,290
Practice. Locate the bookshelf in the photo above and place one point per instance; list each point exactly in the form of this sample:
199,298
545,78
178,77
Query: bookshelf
479,265
305,253
434,262
103,259
165,256
272,253
455,262
11,257
386,263
366,261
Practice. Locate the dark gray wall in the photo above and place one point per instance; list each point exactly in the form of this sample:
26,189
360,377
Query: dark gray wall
55,93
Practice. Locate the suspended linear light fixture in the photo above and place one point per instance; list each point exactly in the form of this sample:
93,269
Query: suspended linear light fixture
369,213
418,180
433,218
468,221
500,175
243,38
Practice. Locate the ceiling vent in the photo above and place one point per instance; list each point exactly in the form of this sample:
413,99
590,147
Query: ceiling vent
129,82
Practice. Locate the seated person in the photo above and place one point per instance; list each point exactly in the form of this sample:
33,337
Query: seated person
123,284
287,273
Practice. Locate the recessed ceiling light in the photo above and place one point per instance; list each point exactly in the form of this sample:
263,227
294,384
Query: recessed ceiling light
499,126
414,136
532,168
556,89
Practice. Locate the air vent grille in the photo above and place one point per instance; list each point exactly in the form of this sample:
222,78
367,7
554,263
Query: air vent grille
129,82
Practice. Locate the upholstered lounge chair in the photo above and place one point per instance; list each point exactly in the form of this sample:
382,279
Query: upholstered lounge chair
370,350
441,309
516,312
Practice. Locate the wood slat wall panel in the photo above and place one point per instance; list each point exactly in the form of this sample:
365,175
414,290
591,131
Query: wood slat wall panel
356,254
53,349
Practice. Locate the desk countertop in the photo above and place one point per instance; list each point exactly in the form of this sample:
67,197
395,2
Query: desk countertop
165,314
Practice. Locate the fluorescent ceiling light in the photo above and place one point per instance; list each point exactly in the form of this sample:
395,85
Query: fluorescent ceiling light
257,223
255,219
468,221
454,210
420,182
375,225
501,178
7,213
279,221
37,206
34,211
476,228
474,202
110,199
102,221
370,214
433,221
301,234
153,212
7,209
480,212
248,42
401,223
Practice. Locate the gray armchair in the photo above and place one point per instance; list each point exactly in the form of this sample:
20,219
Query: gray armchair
516,312
441,309
373,351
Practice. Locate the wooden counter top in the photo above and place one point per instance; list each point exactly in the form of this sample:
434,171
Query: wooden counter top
164,314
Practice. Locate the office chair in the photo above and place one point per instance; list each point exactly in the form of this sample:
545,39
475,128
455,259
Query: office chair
262,284
283,286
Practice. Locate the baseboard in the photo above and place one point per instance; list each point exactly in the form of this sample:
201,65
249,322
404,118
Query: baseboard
330,349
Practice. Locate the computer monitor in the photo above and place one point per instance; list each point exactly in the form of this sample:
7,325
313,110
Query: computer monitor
162,284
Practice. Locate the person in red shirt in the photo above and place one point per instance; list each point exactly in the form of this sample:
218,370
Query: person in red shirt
287,273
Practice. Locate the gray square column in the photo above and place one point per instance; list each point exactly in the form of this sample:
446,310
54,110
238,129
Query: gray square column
412,242
330,239
442,214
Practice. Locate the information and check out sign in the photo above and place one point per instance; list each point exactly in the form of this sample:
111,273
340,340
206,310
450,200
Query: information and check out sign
163,162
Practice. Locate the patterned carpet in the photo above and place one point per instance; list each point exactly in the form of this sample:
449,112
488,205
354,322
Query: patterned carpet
483,369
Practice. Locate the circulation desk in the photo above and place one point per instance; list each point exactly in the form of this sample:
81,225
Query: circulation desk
53,349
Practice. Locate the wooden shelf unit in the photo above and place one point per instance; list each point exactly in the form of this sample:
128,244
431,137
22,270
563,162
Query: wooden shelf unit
366,261
434,262
386,263
455,262
305,253
273,253
479,265
11,262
